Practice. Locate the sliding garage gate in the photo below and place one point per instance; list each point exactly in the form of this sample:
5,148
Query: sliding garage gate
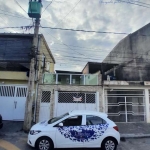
12,102
68,101
125,105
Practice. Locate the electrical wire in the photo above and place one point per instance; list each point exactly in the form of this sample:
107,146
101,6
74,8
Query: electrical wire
69,12
133,3
15,16
20,6
87,31
47,6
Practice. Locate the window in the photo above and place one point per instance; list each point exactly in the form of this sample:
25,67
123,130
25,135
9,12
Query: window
73,121
57,118
94,120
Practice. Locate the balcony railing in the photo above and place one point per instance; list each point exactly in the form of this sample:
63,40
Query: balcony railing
70,79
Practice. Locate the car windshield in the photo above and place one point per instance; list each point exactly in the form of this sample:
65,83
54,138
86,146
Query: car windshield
57,118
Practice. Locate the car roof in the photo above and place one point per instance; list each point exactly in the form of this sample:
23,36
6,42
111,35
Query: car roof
87,112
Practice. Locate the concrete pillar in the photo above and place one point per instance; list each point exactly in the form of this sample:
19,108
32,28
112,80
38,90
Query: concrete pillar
147,111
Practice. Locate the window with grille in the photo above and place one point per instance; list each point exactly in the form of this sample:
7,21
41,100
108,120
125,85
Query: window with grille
21,92
7,91
76,97
46,96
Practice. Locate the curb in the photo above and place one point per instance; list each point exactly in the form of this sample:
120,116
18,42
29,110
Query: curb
131,136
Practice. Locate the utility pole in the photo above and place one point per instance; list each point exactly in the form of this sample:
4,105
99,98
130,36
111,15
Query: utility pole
31,81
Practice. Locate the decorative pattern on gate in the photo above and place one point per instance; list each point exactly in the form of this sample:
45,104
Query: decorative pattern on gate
76,97
46,97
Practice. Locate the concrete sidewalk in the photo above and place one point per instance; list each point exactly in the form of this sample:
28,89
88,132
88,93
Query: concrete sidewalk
127,130
134,130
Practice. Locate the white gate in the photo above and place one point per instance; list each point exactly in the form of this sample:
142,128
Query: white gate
68,101
44,113
12,102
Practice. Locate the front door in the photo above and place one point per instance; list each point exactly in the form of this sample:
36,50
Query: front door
70,134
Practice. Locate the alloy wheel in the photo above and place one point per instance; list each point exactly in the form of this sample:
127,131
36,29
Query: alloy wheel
109,145
44,145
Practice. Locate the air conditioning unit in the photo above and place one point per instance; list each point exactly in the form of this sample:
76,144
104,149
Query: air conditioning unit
47,67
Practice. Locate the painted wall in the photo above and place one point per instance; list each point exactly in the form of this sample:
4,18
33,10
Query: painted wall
13,75
54,88
133,49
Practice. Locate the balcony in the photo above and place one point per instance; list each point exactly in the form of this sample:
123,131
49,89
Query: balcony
70,79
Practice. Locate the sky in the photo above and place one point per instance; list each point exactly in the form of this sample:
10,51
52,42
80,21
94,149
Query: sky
72,50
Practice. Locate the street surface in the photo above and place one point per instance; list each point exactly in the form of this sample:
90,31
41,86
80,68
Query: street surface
18,142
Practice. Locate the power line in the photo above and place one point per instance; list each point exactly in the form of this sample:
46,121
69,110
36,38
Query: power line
20,6
69,12
75,30
133,3
142,3
16,16
47,6
10,12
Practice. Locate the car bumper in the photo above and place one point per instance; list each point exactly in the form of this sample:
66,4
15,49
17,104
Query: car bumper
31,140
1,125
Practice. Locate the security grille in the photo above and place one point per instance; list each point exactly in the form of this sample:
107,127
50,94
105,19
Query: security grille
76,97
21,92
46,96
125,105
7,91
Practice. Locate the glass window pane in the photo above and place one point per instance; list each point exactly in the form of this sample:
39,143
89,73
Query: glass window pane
73,121
63,79
77,79
49,78
94,120
91,79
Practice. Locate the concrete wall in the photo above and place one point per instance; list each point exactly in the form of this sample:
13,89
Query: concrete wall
45,51
54,88
86,69
13,77
134,49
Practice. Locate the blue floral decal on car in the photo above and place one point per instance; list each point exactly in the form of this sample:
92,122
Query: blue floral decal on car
83,133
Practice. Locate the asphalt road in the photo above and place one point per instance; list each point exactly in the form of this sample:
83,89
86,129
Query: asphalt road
18,142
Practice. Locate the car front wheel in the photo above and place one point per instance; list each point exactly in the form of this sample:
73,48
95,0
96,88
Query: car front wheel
44,143
109,144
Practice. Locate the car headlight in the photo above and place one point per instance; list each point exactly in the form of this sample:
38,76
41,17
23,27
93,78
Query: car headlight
33,132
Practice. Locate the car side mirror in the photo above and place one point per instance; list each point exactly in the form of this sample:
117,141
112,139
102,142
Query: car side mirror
60,124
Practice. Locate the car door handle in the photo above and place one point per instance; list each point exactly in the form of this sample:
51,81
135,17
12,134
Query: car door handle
15,102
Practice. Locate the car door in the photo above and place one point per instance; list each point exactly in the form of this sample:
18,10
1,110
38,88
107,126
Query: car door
94,130
70,134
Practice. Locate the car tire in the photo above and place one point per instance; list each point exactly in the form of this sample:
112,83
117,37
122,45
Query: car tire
109,144
44,143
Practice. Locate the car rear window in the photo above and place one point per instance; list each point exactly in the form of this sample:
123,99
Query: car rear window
94,120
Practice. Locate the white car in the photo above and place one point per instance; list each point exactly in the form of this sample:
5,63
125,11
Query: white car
76,129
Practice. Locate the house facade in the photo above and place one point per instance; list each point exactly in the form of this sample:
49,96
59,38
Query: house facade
127,81
16,53
120,84
65,91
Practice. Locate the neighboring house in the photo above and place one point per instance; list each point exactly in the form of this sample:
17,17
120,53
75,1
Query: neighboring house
119,86
16,52
65,91
126,78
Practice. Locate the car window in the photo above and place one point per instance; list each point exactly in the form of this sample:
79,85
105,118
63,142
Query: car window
57,118
94,120
73,121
